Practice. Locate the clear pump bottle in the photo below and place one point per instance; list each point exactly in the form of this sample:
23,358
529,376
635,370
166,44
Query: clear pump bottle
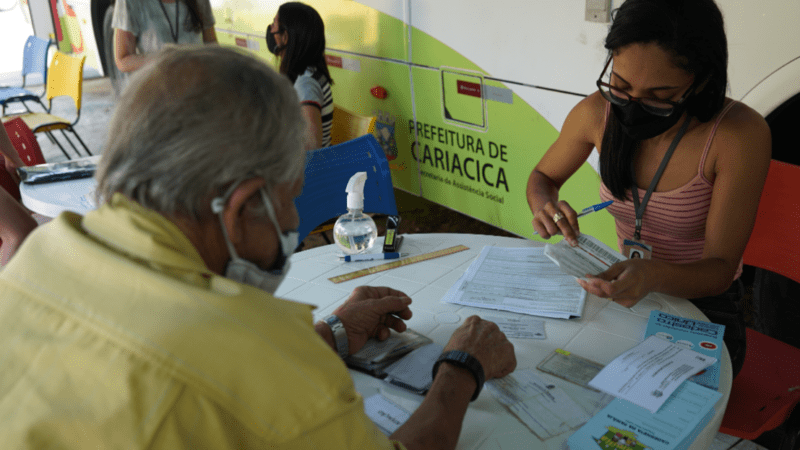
355,232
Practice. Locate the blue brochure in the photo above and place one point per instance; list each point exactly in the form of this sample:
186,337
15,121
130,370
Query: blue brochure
700,336
624,426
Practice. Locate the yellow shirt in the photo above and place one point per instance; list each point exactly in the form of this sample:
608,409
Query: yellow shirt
114,334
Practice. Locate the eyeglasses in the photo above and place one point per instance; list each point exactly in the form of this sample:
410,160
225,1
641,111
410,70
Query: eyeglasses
616,96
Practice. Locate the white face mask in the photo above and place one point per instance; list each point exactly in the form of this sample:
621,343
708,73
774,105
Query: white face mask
247,272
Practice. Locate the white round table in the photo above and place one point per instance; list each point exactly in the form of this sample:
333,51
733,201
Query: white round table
51,199
605,330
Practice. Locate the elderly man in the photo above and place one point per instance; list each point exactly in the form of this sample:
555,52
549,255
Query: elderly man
150,323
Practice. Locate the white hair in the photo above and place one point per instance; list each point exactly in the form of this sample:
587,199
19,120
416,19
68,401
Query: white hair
196,120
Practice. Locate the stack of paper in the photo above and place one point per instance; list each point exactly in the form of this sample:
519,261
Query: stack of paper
520,280
544,408
698,335
376,355
649,373
414,371
655,408
675,426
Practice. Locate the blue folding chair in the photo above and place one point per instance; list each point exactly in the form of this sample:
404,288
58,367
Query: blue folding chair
327,172
34,60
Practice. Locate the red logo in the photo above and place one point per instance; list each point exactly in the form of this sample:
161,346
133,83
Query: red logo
708,345
333,61
467,88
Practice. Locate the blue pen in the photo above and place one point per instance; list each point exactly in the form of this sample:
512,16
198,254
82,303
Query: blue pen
590,209
372,256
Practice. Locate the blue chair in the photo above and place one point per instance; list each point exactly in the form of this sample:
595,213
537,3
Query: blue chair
34,60
327,172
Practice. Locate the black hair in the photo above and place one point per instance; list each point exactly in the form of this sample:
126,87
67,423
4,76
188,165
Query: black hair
693,32
306,44
195,22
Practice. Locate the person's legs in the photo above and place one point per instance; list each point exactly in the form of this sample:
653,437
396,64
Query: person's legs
15,224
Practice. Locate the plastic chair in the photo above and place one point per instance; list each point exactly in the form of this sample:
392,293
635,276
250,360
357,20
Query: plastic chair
65,78
767,389
326,175
27,147
24,142
776,234
34,60
348,125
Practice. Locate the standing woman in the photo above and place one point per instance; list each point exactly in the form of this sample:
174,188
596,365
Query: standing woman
684,164
297,36
142,27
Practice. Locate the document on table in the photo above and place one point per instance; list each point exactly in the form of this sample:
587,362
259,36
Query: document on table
590,256
518,327
385,414
544,408
414,371
520,280
649,373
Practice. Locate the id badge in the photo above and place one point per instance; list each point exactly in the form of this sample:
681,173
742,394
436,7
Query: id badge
636,249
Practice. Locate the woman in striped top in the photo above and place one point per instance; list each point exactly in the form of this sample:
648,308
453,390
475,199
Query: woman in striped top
663,91
297,36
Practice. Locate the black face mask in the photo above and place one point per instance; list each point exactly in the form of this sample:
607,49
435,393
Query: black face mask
640,124
272,45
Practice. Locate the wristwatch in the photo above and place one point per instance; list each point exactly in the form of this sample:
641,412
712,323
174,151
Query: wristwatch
339,335
466,361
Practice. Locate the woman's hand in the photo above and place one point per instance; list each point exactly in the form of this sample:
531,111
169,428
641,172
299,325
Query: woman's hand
558,218
625,282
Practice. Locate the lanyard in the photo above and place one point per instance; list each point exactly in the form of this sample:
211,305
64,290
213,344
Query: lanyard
173,32
639,209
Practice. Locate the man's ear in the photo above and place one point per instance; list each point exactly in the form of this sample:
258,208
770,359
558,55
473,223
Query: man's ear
233,212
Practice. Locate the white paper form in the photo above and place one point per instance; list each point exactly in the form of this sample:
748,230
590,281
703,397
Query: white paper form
518,327
520,280
544,408
649,373
385,414
589,256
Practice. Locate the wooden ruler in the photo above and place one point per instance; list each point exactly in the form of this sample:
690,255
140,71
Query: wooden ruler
398,263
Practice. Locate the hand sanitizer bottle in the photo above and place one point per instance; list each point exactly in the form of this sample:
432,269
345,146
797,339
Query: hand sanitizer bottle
355,232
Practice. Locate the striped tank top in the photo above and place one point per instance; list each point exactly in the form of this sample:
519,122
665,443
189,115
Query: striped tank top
674,221
313,88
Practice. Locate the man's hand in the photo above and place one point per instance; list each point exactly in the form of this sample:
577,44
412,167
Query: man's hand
371,312
484,341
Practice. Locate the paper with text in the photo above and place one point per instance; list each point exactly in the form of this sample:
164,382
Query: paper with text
520,280
518,327
590,256
385,414
544,408
649,373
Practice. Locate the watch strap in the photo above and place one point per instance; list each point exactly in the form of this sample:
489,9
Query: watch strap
466,361
339,335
